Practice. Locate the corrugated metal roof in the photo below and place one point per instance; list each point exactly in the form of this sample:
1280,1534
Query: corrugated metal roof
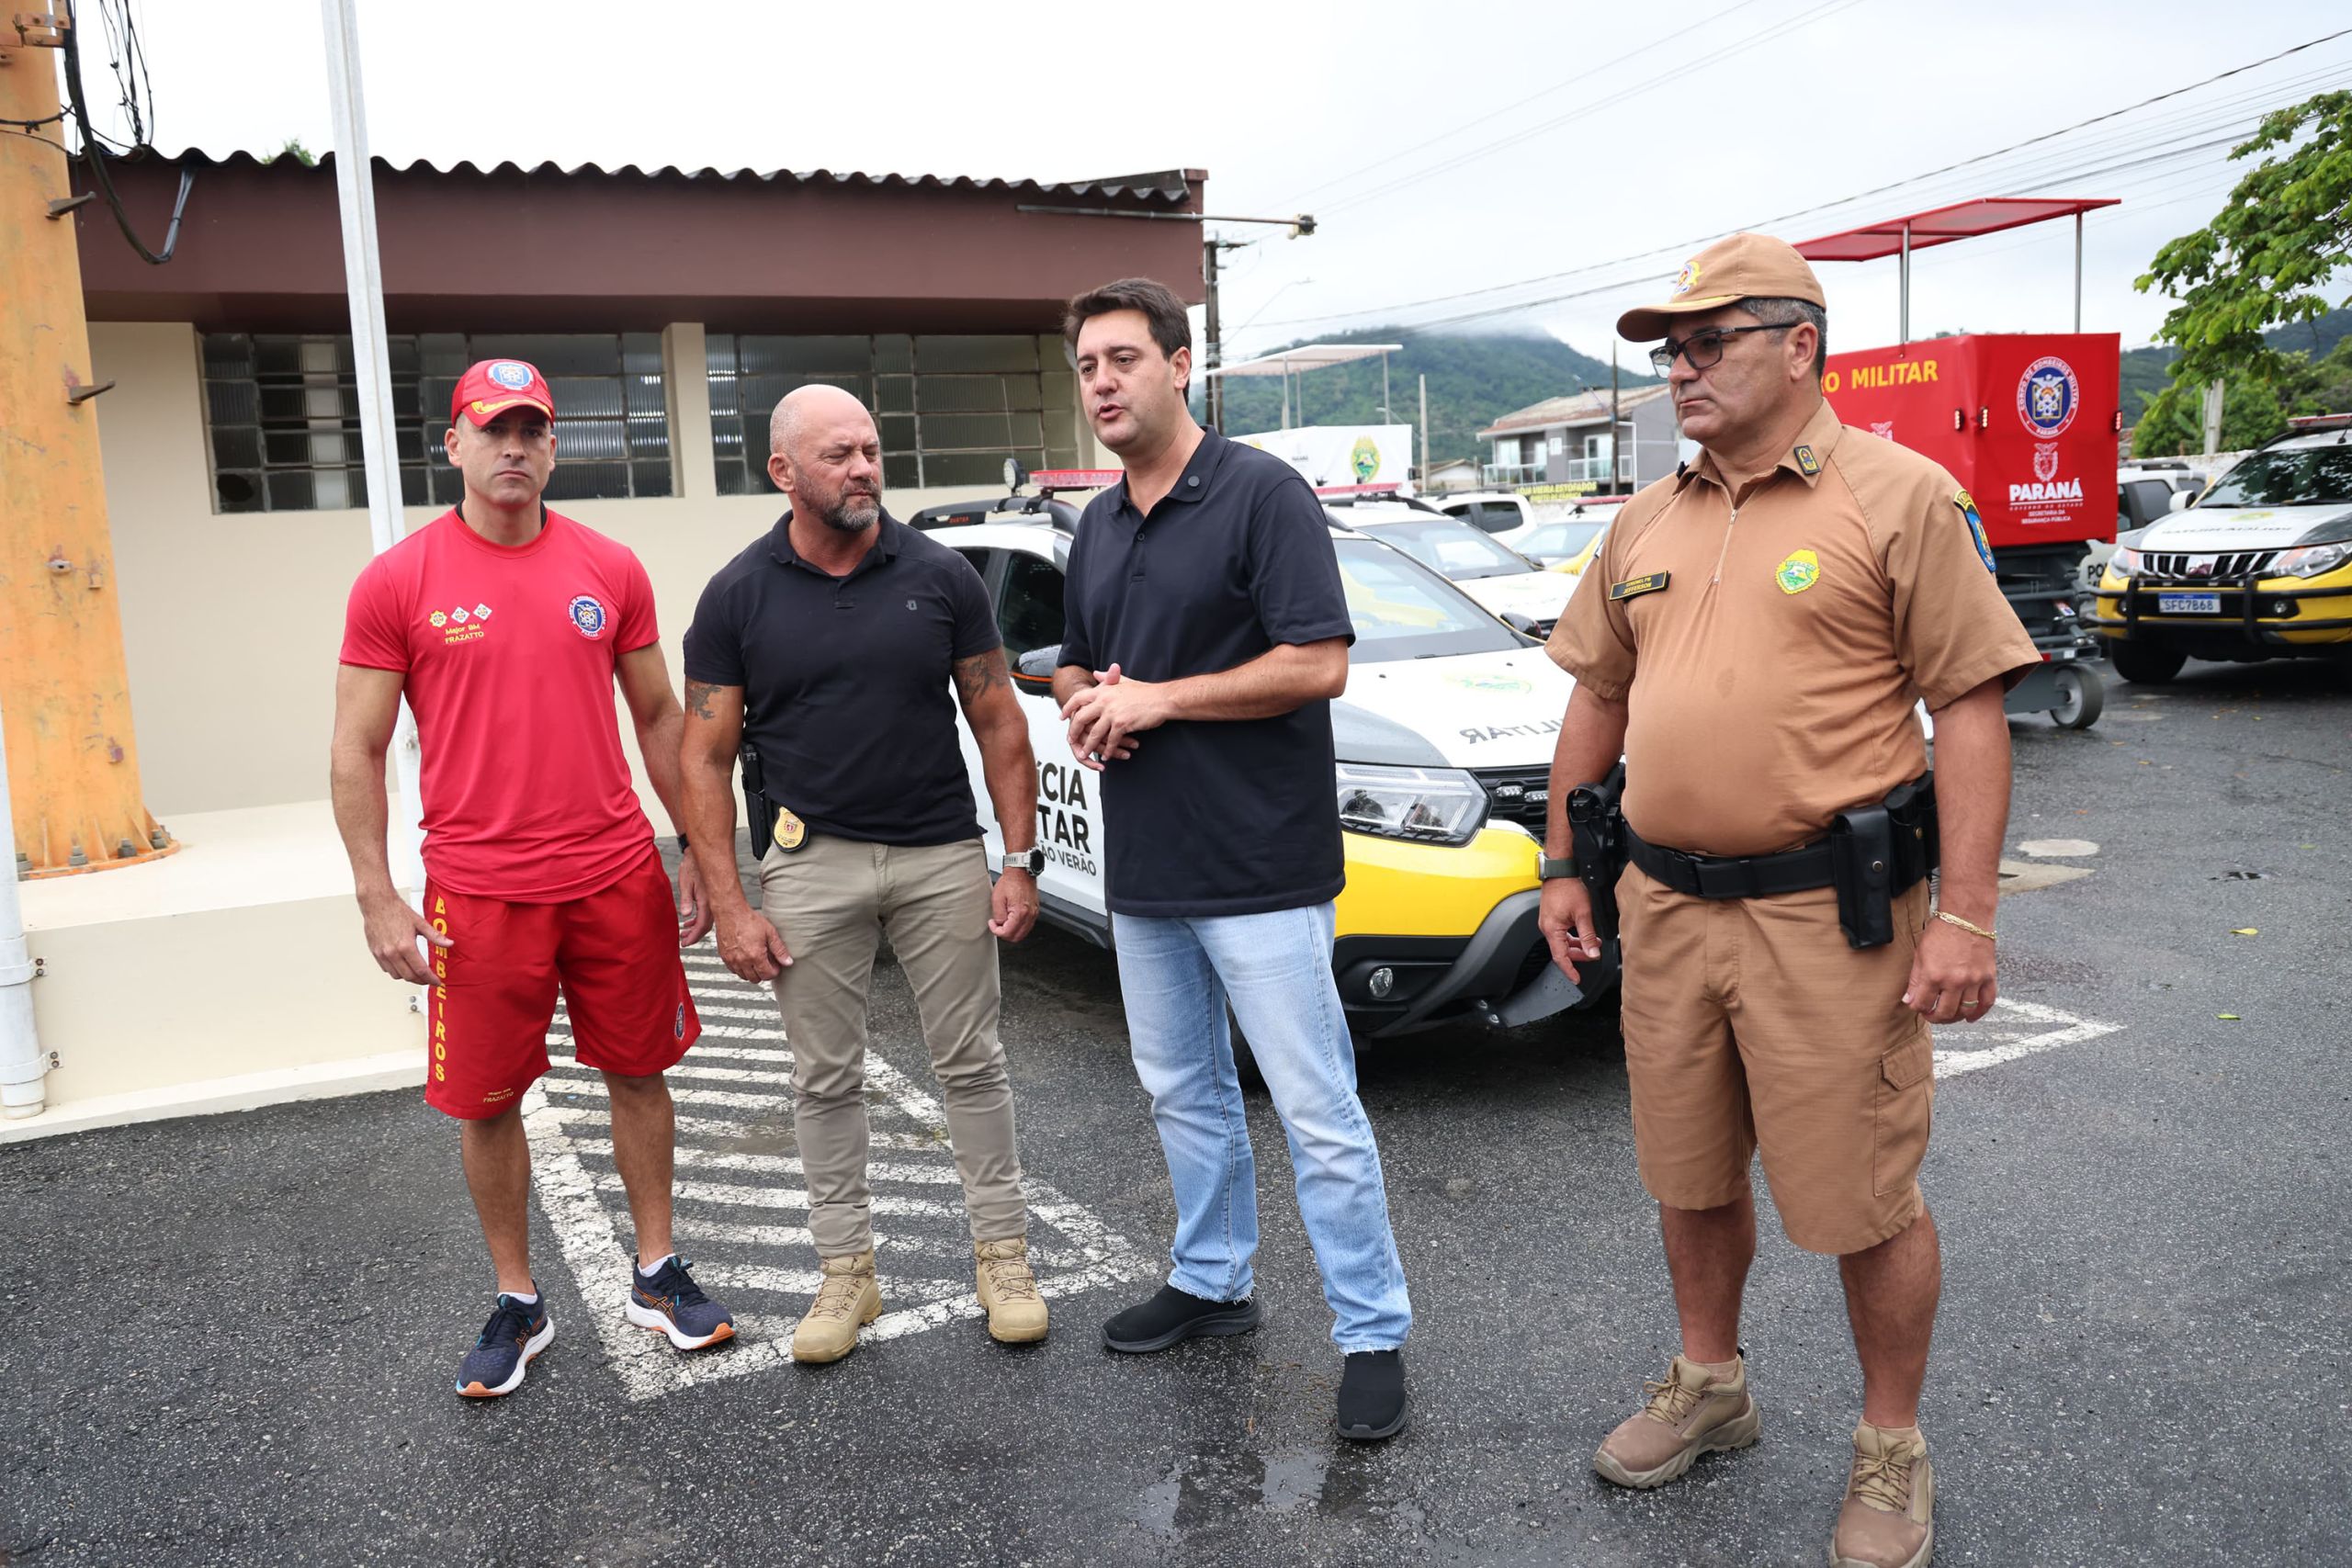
1171,187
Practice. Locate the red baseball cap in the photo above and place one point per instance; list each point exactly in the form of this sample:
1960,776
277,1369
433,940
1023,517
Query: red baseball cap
493,385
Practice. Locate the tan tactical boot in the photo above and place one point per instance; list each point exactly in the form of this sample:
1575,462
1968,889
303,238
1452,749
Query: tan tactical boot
848,1299
1016,1312
1689,1413
1889,1519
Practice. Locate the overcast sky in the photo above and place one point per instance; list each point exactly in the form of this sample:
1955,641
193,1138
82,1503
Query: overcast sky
1563,136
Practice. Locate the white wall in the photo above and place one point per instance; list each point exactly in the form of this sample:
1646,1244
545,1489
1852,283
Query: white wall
232,622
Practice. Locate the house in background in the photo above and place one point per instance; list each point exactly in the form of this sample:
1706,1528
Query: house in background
1455,473
1570,441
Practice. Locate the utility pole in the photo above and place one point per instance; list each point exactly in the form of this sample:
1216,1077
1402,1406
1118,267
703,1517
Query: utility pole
2214,391
1616,463
75,796
1213,351
1425,429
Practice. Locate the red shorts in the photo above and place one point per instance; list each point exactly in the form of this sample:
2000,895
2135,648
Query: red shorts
615,952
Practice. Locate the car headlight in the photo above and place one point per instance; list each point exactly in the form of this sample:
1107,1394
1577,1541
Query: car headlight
2124,562
2313,559
1427,806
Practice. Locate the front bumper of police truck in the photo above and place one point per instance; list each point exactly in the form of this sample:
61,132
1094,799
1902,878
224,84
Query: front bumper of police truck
1434,931
2220,612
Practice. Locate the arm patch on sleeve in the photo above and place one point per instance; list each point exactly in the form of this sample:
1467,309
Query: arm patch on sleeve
1975,520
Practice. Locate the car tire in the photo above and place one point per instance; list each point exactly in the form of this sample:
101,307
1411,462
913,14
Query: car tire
2146,665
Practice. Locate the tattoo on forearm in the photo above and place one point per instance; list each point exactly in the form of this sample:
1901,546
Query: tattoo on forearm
977,676
699,698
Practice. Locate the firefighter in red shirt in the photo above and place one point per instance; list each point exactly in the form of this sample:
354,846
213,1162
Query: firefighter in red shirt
505,626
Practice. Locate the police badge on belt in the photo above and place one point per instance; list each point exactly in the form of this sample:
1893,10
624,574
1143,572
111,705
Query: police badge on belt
790,831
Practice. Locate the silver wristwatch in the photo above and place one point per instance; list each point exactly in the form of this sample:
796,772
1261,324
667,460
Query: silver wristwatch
1030,861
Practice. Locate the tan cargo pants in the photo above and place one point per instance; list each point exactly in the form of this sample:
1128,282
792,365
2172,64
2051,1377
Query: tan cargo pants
831,898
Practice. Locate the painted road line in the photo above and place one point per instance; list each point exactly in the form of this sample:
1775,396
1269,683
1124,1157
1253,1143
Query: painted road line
923,1243
689,1156
690,1069
742,1196
715,1127
595,1253
764,1342
2021,1029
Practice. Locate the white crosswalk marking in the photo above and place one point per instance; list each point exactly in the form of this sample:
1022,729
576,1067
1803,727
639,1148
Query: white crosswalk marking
738,1165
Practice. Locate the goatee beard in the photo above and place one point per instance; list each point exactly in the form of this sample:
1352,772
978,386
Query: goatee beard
855,514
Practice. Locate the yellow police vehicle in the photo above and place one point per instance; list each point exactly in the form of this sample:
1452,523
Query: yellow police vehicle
1444,742
2259,567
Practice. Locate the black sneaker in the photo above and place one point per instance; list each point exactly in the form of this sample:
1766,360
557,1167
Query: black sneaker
1174,1315
515,1333
669,1303
1372,1395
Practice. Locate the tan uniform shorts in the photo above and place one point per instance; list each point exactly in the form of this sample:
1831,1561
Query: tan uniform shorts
1751,1025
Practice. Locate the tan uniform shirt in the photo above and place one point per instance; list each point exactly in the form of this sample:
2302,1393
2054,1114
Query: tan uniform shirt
1770,652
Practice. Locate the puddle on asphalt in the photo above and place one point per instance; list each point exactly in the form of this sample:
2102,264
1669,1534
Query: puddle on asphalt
1202,1491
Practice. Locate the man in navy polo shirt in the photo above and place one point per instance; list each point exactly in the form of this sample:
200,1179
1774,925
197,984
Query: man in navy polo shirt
1206,634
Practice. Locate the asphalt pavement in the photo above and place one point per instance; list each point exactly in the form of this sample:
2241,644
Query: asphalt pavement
231,1339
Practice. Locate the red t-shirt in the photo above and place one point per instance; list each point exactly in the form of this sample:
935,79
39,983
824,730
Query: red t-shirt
510,655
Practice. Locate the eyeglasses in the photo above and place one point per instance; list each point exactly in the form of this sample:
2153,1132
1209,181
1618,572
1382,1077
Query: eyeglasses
1704,347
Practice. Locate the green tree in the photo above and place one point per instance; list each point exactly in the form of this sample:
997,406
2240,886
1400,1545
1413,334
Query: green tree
296,150
2173,421
2267,256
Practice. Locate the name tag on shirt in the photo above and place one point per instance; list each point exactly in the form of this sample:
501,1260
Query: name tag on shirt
1635,587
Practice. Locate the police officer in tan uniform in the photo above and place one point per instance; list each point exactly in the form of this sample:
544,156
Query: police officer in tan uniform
1753,639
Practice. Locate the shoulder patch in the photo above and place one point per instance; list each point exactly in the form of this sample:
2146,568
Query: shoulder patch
1975,520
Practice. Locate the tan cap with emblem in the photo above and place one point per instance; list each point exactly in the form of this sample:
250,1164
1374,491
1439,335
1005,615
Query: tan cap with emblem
1744,267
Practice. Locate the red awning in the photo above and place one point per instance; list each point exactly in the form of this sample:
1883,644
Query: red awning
1942,225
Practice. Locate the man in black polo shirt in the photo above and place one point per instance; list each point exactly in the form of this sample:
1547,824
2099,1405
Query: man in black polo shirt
831,645
1206,635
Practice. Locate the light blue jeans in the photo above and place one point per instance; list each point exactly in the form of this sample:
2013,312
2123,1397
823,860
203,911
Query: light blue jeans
1178,975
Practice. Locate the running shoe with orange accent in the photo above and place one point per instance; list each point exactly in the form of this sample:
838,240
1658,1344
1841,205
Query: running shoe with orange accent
516,1334
669,1303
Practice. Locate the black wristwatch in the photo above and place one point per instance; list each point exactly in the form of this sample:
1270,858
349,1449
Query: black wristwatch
1547,869
1030,861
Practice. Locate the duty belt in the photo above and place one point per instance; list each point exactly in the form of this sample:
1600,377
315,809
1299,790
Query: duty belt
1735,876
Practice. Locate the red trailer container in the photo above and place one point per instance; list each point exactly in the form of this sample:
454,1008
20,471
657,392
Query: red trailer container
2025,421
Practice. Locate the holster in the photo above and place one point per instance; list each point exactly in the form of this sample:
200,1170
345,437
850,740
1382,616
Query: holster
1877,852
760,815
1597,829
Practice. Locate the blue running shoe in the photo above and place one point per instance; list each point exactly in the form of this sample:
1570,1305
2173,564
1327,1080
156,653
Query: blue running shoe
668,1302
516,1332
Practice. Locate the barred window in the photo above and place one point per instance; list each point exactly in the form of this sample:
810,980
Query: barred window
282,416
949,410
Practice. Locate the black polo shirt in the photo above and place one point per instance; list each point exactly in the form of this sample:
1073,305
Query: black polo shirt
1231,817
847,679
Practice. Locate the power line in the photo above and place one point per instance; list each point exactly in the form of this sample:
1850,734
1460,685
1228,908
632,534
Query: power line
1808,211
1519,103
1721,52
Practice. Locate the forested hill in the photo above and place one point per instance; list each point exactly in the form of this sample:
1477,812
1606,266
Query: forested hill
1474,380
2145,369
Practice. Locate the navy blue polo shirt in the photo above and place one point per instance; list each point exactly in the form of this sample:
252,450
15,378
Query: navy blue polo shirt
1224,817
847,679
